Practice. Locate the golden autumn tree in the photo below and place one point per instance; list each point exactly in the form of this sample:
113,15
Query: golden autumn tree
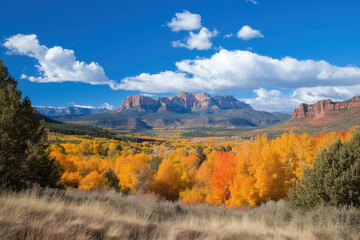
203,175
201,192
243,190
270,175
195,195
71,179
93,181
134,173
187,168
168,180
66,163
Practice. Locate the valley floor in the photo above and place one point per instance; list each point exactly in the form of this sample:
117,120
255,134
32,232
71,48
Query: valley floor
49,214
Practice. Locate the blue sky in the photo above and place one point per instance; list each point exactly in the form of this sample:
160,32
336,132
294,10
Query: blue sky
289,52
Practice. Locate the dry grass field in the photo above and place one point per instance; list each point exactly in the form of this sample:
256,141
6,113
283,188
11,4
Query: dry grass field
49,214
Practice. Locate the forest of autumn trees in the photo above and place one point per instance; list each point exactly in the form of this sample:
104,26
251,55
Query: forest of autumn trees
245,173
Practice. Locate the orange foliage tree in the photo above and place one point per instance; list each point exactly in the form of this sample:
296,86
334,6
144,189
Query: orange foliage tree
222,176
134,173
93,181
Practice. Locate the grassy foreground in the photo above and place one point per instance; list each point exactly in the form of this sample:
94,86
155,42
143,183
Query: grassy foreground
49,214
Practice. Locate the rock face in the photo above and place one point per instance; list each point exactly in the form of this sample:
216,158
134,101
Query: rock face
323,116
230,102
181,103
139,103
320,108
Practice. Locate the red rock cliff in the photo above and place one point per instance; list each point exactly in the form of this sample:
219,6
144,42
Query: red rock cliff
320,108
181,103
139,101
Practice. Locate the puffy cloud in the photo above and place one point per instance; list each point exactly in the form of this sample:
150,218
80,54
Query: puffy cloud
200,41
162,82
107,106
252,1
272,101
230,35
84,106
55,64
247,33
50,107
276,101
185,21
229,71
148,95
25,45
336,93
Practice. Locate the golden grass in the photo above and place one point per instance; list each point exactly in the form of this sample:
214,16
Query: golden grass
50,214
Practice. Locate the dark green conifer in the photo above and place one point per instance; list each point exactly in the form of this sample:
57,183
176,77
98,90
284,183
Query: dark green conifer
334,178
199,152
112,179
24,160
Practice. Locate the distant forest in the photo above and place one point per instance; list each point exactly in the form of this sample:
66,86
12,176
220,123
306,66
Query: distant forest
75,129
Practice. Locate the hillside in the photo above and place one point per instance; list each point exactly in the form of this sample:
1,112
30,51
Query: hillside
184,110
93,131
323,116
39,116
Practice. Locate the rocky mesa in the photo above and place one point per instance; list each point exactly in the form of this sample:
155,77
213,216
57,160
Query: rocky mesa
181,103
321,108
182,111
321,117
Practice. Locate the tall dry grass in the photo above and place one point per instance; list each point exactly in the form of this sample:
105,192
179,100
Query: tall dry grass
50,214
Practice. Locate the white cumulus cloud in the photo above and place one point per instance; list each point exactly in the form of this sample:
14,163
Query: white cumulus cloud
55,64
230,35
229,71
185,21
276,101
336,93
200,41
247,33
272,101
107,106
84,106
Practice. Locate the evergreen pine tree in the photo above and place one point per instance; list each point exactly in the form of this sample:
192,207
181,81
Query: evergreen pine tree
112,179
334,178
200,154
24,160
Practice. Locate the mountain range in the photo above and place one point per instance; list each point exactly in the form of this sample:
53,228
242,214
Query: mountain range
73,110
202,111
184,110
181,103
